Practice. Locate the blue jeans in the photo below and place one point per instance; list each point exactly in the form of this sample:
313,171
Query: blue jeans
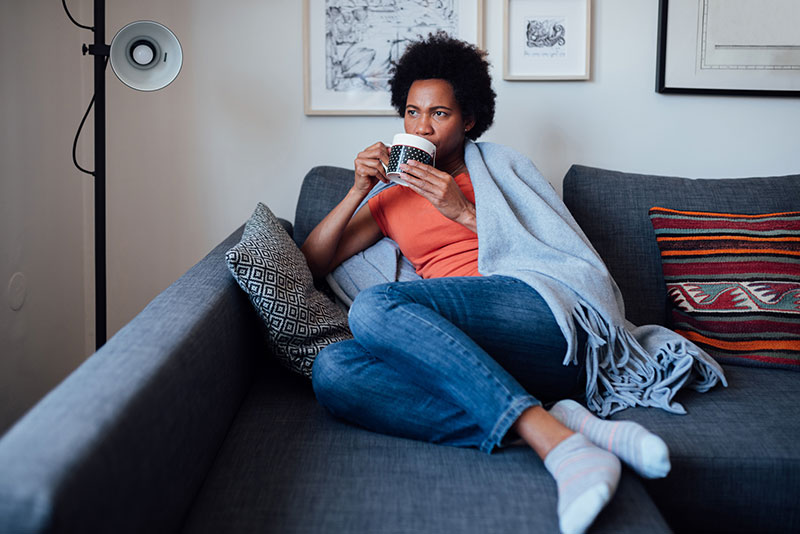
446,360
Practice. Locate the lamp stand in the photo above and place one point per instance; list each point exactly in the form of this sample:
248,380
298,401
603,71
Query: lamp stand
100,51
142,37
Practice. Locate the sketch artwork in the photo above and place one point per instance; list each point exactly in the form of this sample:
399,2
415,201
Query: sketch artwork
365,38
729,47
546,37
749,36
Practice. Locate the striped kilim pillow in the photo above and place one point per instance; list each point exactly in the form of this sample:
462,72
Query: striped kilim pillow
733,282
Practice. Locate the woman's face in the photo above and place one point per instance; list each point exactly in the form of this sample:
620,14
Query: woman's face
433,113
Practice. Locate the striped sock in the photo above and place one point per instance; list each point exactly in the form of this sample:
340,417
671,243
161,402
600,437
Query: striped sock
586,476
645,452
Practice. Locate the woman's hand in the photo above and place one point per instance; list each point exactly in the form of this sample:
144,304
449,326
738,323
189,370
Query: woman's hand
441,190
370,167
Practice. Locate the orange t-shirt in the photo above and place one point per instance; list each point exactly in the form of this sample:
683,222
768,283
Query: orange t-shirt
435,245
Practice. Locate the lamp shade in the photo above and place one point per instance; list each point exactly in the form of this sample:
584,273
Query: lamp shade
146,55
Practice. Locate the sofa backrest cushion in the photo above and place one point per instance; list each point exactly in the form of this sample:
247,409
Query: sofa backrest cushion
322,189
612,209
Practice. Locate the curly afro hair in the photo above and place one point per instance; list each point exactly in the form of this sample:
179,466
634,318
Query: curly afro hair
461,64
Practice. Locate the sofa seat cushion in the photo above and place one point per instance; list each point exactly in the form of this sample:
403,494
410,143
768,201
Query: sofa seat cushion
288,466
735,455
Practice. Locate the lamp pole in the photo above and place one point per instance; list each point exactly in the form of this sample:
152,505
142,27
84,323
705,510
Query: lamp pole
100,51
149,35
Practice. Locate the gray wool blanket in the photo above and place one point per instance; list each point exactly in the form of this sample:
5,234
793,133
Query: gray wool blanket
525,231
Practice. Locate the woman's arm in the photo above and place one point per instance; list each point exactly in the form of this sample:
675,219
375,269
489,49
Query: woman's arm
341,234
441,190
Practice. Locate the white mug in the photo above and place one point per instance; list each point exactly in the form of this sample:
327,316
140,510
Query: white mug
406,147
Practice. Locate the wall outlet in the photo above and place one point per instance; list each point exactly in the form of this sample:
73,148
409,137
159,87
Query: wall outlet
17,291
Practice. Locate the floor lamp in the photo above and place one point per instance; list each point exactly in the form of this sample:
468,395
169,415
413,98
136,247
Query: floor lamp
145,56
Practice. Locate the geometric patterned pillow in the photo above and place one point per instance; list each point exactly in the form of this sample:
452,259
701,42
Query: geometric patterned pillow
269,267
733,283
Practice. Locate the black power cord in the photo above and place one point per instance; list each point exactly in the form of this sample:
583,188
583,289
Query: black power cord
75,22
91,103
78,133
77,136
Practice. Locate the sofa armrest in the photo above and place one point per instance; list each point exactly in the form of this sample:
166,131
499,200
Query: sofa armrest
124,443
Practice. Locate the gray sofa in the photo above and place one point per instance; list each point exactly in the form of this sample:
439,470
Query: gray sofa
183,422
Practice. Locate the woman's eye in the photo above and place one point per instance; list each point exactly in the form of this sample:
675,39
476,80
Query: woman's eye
441,114
411,112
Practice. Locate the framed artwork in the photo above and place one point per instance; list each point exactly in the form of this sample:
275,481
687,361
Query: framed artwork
733,47
351,47
546,39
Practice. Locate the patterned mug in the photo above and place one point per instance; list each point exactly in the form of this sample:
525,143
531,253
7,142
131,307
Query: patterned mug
406,147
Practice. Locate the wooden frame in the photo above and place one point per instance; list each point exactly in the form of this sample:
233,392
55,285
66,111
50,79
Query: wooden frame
547,39
350,45
715,47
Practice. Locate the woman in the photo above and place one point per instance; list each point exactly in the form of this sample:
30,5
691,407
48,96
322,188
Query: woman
464,356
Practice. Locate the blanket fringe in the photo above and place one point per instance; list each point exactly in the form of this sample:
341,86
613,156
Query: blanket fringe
621,373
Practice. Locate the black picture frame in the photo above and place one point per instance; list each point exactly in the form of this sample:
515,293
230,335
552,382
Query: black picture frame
664,86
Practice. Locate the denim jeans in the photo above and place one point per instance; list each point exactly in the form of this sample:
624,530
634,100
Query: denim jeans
446,360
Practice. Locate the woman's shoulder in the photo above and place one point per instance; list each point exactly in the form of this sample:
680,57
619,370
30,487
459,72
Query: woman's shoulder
488,149
501,163
495,152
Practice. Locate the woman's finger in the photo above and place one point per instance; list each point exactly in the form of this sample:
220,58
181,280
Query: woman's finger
437,187
371,167
377,151
426,174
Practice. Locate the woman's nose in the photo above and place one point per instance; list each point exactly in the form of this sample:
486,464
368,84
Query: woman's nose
423,126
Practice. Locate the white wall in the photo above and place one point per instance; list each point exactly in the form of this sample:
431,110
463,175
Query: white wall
42,202
231,130
187,164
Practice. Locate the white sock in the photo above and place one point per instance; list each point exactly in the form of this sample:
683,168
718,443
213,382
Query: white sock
645,452
586,476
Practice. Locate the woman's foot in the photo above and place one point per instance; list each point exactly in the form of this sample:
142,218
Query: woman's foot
645,452
586,476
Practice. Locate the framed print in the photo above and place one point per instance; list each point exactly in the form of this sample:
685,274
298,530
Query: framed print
734,47
546,39
351,47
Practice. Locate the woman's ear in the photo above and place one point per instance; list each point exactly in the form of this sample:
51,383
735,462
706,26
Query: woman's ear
469,123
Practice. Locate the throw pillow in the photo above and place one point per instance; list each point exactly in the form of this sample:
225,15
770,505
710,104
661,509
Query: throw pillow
733,283
269,267
380,263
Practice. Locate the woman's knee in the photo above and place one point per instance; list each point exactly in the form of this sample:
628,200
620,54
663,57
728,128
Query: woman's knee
325,370
330,372
368,310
